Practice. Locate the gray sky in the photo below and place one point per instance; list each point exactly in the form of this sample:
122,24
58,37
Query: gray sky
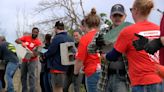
9,10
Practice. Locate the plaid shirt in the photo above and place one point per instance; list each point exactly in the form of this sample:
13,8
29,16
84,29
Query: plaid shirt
103,80
92,48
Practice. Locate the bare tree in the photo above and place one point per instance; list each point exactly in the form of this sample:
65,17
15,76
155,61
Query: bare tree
70,15
22,25
18,29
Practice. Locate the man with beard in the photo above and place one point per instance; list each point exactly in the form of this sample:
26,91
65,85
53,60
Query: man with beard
30,42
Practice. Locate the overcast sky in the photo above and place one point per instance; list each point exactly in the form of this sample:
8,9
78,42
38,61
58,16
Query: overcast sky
9,10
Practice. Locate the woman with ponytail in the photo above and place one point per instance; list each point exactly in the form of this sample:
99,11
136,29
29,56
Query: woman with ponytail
91,62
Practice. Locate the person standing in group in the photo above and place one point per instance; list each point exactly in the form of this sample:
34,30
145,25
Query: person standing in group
44,74
70,78
28,65
91,62
161,51
53,57
77,34
141,65
152,46
111,80
8,54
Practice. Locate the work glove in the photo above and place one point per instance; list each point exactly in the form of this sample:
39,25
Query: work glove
42,58
153,46
100,41
140,43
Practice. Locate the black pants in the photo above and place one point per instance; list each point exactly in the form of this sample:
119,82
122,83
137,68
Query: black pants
70,78
2,74
45,82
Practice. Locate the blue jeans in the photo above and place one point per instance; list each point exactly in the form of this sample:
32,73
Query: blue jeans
117,83
10,71
148,88
91,82
45,82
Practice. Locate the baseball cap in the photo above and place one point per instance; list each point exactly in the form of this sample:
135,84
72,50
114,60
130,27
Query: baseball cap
118,9
59,23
